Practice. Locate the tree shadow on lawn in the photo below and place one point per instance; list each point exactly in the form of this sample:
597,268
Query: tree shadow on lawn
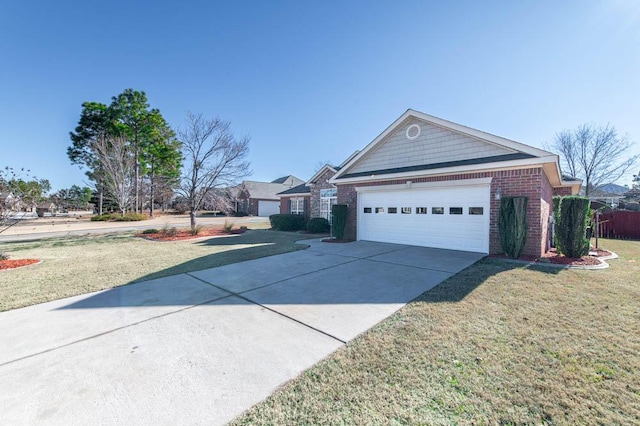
307,278
459,286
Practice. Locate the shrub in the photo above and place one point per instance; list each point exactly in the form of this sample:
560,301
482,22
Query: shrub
339,219
287,222
169,232
150,231
228,226
4,256
101,217
129,217
318,225
571,227
196,230
116,217
512,224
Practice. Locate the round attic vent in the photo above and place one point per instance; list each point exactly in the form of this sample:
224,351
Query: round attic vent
413,132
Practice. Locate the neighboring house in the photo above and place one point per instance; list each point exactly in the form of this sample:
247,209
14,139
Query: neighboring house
45,208
430,182
610,194
315,197
260,198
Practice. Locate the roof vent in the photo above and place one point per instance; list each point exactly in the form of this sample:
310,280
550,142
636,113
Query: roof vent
413,132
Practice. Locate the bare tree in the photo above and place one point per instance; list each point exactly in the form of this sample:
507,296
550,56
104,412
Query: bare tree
117,161
212,158
595,154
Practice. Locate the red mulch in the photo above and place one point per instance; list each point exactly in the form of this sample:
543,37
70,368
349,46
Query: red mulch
558,259
184,234
16,263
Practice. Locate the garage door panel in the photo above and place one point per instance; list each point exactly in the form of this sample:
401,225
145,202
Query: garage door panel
267,208
455,231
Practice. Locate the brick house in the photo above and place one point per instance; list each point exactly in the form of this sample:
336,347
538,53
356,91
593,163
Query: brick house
430,182
315,197
260,198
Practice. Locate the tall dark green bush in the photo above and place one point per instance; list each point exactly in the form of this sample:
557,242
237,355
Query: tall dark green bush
318,225
339,220
287,222
571,227
512,224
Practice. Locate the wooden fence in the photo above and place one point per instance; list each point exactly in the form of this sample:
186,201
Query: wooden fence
620,224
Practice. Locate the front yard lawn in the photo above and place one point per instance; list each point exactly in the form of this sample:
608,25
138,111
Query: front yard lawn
81,264
499,343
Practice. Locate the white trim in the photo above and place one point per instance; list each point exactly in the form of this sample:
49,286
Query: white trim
414,137
426,185
306,194
487,137
486,167
318,173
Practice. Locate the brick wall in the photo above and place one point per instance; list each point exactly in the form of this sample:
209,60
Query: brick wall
320,183
522,182
563,191
285,205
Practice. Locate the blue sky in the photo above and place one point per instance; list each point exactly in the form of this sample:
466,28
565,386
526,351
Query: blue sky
313,81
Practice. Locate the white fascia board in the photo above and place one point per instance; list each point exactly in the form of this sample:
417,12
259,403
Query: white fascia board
440,184
478,134
306,194
502,165
373,143
318,173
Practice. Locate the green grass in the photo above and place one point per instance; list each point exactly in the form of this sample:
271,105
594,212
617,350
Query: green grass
77,265
499,343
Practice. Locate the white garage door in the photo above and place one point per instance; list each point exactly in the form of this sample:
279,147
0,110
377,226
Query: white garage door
267,208
449,217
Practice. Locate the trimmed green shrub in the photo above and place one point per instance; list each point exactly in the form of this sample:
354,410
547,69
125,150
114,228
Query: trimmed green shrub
150,231
287,222
339,220
129,217
571,226
117,217
512,224
318,225
102,217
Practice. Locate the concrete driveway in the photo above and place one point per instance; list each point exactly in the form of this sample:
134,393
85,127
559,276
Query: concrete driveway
200,348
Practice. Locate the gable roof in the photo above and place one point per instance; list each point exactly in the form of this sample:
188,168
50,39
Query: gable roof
319,173
290,180
486,151
260,190
302,189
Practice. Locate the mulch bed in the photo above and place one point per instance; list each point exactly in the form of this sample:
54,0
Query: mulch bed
333,240
185,234
16,263
553,257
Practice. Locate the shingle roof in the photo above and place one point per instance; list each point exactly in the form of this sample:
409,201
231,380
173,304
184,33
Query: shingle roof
507,157
300,189
293,180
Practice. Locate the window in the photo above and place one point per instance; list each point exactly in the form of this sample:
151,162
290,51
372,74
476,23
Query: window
367,209
406,210
379,209
297,205
476,210
392,210
328,197
437,210
329,192
421,210
455,210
